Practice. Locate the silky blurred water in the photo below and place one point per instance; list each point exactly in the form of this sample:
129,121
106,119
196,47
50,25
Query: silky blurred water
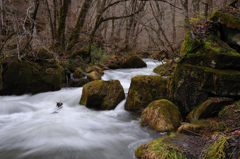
29,129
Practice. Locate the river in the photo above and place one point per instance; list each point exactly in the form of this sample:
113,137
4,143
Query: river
29,129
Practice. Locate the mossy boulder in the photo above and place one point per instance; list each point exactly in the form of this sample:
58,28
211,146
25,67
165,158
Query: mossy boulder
191,85
161,115
81,53
211,52
93,76
144,89
165,69
230,115
94,68
164,148
78,73
103,95
228,16
42,53
134,62
78,82
208,109
24,77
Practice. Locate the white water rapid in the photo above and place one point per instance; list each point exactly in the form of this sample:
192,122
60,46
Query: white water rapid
29,130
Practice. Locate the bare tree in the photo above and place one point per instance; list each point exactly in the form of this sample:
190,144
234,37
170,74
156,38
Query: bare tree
100,19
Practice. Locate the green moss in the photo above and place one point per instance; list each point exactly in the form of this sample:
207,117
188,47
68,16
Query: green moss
225,18
145,89
134,62
160,149
81,53
216,150
161,115
208,107
189,44
103,95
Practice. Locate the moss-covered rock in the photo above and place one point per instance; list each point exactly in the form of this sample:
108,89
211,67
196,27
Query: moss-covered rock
228,16
165,69
161,148
23,77
210,108
81,53
211,52
161,115
42,53
93,76
103,95
230,115
94,68
134,62
78,73
192,85
145,89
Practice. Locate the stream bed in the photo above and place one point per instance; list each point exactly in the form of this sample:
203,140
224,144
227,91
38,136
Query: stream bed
29,129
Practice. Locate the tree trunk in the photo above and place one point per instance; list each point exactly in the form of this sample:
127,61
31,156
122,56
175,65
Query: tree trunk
174,36
196,9
50,20
62,23
80,21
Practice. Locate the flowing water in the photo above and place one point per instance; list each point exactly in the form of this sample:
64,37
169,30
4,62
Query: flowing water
29,129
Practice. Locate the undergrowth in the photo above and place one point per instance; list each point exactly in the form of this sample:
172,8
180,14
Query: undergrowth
215,150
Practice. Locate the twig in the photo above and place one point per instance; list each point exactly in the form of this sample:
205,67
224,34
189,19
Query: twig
237,128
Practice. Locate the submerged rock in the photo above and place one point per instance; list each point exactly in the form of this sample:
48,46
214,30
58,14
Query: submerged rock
134,62
103,95
145,89
161,115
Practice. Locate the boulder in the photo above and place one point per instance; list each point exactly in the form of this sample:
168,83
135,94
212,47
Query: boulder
172,147
94,76
208,109
23,77
165,69
212,52
230,115
112,62
44,54
134,62
94,68
192,85
78,73
103,95
81,53
145,89
161,115
78,82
